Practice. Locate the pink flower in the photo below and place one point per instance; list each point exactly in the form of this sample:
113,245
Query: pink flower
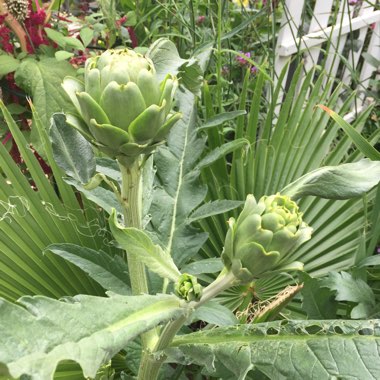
241,60
254,70
201,20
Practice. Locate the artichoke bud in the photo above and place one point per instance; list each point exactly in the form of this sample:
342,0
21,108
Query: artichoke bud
264,236
187,287
121,95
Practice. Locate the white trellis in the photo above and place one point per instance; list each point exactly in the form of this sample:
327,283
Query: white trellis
356,27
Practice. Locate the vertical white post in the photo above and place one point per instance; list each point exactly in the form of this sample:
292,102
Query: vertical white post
291,21
319,21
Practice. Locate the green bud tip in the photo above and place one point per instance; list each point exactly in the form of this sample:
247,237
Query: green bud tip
187,287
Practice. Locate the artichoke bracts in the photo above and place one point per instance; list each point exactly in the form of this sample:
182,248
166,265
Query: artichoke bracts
122,109
187,287
260,240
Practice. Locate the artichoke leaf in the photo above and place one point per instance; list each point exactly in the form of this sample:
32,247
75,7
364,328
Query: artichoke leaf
79,125
122,103
108,134
90,109
256,259
146,125
72,86
149,87
131,149
113,73
93,84
165,129
168,88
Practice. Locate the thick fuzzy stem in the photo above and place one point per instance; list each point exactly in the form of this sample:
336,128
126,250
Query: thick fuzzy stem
131,199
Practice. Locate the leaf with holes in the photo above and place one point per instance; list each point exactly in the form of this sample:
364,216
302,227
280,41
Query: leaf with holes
296,350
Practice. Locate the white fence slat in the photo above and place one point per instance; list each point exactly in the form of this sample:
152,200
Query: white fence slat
341,57
289,30
374,50
320,19
355,53
337,43
317,38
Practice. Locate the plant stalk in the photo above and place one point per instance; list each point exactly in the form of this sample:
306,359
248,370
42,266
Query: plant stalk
131,201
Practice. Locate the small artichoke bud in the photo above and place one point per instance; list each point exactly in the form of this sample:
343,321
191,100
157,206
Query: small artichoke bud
264,235
122,108
187,287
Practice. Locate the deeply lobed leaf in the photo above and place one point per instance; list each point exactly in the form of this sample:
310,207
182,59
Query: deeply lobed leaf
285,350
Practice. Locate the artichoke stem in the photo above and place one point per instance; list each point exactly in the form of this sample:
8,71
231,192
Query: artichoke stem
131,193
131,197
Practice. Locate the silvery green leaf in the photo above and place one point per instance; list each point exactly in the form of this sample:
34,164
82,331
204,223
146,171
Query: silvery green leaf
216,314
102,197
166,59
213,265
214,208
353,290
72,152
110,272
222,151
89,330
178,189
337,182
221,118
109,168
136,242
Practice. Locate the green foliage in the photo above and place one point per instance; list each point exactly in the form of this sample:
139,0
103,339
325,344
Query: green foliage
344,181
110,272
139,244
318,301
86,329
286,143
284,349
66,144
353,290
179,190
42,79
8,64
189,193
33,219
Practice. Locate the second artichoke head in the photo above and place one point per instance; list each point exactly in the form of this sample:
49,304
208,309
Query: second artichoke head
260,241
121,106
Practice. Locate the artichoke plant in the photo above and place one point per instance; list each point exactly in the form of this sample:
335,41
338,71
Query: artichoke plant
121,107
260,240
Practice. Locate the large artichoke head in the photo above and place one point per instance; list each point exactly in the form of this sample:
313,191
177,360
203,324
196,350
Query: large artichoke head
260,241
121,107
